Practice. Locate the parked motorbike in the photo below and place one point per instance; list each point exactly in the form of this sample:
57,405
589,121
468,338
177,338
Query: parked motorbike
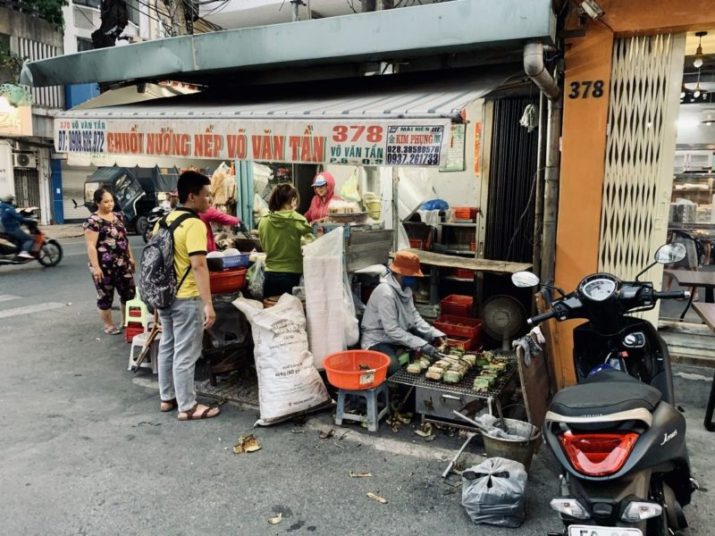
617,436
47,252
154,216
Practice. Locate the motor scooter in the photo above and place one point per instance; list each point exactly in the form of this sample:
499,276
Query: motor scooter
617,436
154,216
47,252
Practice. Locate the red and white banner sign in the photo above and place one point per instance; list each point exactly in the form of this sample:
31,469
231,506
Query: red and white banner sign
369,143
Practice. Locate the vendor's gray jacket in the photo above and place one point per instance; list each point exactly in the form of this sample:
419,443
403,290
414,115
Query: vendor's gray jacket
391,317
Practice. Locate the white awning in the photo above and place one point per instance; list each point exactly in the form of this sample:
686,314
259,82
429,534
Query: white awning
407,125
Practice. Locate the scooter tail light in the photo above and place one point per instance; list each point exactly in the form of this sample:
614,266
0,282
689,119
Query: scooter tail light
569,507
638,511
598,454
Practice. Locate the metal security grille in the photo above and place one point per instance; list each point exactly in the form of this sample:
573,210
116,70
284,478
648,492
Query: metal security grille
645,86
510,208
27,188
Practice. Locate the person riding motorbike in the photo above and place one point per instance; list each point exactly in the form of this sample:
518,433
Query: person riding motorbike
391,321
12,221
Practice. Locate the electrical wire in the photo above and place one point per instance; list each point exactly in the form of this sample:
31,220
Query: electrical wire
524,213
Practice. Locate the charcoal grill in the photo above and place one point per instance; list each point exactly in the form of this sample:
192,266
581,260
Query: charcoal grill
436,401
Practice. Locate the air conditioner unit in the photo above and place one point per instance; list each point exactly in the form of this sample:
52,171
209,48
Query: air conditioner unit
24,160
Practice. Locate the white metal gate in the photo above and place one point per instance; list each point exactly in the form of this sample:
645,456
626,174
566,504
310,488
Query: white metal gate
27,188
643,108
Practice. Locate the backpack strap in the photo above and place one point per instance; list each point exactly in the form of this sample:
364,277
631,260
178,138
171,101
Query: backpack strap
172,227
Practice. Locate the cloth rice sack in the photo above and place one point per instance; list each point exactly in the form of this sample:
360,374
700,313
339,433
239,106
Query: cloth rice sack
493,492
288,382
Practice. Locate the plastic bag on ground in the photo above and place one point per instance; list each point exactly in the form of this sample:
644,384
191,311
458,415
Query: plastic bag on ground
494,492
288,382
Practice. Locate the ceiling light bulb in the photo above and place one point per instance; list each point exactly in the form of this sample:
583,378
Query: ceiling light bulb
698,60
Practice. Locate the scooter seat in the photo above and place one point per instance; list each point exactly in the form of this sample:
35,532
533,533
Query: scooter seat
605,393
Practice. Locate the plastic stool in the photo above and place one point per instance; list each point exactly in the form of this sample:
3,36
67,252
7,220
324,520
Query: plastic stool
138,341
137,303
372,398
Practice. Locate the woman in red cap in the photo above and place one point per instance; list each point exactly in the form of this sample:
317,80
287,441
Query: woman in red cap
391,321
324,189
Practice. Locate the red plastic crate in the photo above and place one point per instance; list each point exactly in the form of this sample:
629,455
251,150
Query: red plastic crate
465,213
463,274
460,326
457,304
464,343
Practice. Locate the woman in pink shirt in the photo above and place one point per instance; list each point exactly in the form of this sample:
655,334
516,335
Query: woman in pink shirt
324,189
214,215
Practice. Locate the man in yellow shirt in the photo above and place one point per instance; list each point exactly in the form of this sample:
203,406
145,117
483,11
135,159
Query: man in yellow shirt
184,321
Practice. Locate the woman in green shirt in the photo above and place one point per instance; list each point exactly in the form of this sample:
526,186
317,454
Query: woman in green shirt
280,232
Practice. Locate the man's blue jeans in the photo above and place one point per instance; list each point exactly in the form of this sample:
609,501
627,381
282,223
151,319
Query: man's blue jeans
182,329
22,239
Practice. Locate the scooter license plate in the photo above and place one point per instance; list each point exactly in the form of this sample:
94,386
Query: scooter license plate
591,530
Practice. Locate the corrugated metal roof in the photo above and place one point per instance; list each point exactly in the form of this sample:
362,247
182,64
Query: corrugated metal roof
441,31
426,100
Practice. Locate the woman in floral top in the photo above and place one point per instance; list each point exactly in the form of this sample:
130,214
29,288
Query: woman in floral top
110,258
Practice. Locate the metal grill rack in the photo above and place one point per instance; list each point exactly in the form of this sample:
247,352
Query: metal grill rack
436,401
464,387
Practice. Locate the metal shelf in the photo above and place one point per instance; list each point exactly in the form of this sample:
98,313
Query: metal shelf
459,279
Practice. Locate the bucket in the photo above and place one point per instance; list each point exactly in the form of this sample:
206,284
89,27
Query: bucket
518,450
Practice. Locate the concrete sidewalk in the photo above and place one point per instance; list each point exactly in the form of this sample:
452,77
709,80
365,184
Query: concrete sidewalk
66,230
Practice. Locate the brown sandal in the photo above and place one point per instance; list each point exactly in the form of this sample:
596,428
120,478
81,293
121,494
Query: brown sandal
191,415
168,405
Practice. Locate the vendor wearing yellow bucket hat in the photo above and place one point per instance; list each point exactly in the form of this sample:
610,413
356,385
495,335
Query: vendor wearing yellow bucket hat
391,321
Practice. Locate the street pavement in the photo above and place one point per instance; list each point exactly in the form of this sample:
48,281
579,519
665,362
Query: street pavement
86,451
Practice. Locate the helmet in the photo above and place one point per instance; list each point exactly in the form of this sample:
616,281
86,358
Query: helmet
7,198
406,263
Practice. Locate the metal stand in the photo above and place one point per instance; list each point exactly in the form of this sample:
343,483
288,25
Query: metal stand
453,461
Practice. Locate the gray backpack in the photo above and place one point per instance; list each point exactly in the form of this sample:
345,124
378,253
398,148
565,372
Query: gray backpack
157,278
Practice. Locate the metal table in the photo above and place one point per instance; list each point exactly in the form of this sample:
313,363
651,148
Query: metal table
688,278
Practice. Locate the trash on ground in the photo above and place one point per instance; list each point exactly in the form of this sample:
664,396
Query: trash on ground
276,519
359,475
327,435
248,443
404,418
425,430
376,497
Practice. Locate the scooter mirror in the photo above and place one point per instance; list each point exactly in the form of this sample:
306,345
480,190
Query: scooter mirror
524,279
670,253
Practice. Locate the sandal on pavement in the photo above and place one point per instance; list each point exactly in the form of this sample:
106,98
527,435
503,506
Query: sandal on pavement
191,415
112,330
168,405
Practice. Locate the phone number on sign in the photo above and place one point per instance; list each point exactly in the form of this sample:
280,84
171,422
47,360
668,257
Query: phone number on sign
413,159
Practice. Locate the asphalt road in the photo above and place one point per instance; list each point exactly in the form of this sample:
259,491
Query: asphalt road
86,451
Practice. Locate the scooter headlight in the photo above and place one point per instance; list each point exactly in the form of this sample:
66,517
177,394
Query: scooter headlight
638,511
570,507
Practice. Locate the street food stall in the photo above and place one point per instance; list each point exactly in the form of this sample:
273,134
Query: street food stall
386,125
